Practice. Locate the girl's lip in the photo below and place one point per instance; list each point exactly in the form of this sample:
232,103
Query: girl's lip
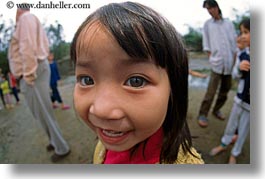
112,137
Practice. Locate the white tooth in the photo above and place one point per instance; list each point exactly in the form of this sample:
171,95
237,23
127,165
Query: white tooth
112,133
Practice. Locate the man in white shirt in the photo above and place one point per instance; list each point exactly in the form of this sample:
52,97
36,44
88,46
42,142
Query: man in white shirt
28,52
219,41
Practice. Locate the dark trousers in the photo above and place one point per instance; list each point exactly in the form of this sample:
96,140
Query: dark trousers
2,97
55,94
15,93
224,84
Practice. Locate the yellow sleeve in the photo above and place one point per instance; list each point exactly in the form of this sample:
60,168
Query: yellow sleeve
99,153
188,158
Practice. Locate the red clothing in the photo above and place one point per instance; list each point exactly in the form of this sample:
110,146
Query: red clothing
12,80
151,152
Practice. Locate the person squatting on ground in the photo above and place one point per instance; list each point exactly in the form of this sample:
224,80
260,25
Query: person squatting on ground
219,41
240,114
132,86
55,77
28,52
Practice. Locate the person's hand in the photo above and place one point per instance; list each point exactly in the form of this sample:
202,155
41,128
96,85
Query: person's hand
209,54
29,79
244,65
203,75
60,83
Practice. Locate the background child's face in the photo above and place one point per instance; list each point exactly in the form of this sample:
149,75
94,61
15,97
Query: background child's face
50,57
123,100
240,43
245,34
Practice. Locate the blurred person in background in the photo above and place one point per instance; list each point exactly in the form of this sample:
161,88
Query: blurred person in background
28,52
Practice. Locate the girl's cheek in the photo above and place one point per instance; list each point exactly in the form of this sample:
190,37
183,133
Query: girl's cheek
78,104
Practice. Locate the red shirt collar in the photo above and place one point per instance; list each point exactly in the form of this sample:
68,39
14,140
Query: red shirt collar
151,152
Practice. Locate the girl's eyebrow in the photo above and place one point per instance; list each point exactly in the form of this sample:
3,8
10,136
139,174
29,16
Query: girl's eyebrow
133,61
86,63
83,63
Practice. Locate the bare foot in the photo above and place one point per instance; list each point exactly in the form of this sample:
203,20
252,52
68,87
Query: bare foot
232,160
217,150
234,139
65,107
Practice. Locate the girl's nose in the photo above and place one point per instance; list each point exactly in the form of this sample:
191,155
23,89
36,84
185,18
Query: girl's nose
107,104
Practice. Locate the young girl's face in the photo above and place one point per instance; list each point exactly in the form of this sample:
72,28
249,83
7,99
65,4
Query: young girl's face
245,34
123,99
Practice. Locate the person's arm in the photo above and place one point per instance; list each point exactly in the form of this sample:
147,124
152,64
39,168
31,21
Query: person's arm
14,60
236,73
234,59
206,40
26,49
234,44
197,74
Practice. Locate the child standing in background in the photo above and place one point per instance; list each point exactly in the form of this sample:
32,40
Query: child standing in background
132,86
1,91
55,76
13,84
241,47
240,114
6,92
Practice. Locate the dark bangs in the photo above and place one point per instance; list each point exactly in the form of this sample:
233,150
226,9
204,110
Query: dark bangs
139,30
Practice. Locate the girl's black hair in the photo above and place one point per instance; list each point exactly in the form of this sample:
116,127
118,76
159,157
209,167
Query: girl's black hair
143,33
245,23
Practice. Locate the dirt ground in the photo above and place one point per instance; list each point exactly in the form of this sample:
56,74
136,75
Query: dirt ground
23,141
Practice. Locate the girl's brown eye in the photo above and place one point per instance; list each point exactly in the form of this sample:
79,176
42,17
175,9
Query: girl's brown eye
136,82
85,80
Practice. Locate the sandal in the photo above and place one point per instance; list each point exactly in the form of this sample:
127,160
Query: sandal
66,107
219,115
202,121
55,157
49,147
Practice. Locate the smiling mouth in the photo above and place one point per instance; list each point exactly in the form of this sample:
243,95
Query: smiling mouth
113,137
111,133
